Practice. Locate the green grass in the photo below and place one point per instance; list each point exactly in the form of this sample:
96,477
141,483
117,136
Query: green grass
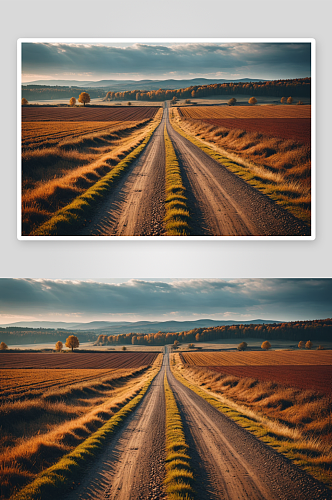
293,450
270,189
179,476
58,479
177,213
74,216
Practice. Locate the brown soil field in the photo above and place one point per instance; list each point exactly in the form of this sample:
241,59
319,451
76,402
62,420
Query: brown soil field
204,112
88,114
75,360
307,377
297,129
257,358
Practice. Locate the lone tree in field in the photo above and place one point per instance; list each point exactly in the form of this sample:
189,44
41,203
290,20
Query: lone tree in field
266,345
59,346
289,100
301,344
232,101
252,100
84,98
72,101
283,100
308,344
24,101
72,342
3,346
242,347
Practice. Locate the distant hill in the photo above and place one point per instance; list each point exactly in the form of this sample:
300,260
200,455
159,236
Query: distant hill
118,327
121,85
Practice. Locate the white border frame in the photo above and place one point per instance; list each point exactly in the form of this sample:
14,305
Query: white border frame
312,41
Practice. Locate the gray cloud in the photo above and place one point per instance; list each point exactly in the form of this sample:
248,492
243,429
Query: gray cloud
260,60
274,298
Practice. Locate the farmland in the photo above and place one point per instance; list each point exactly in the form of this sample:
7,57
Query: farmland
67,150
270,145
112,360
47,412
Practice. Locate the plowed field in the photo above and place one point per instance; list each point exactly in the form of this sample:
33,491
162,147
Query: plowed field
207,112
76,360
297,129
307,377
135,113
258,358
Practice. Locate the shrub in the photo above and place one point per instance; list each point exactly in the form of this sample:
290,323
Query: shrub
242,346
266,345
300,102
129,103
124,348
187,101
320,348
191,346
59,346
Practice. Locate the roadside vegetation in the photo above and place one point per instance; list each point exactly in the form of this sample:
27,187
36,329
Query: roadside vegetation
294,422
72,217
279,168
61,160
177,213
179,476
42,425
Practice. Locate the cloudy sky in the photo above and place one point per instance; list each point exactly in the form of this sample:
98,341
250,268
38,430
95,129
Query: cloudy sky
164,299
141,60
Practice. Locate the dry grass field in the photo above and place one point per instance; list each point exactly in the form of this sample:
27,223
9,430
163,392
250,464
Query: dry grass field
293,395
264,141
67,150
45,413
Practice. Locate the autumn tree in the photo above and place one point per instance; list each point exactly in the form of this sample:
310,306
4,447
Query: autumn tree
191,346
84,98
301,344
176,344
266,345
252,100
24,101
72,101
283,100
308,344
72,342
289,100
242,346
3,346
59,346
232,101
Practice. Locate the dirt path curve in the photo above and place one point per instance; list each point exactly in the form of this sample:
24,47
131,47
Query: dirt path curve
136,207
132,465
222,204
231,464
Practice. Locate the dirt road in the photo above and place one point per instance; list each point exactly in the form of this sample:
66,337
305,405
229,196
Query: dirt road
229,463
131,466
136,207
222,204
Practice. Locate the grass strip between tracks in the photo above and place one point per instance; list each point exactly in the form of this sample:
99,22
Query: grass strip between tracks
236,168
177,213
295,451
179,476
73,216
58,479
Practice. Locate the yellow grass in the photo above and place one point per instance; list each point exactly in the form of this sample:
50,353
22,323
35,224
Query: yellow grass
279,168
56,171
38,431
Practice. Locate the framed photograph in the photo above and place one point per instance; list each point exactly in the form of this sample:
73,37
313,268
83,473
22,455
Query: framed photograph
166,139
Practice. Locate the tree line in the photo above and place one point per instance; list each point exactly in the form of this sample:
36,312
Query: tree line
39,92
299,87
296,331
